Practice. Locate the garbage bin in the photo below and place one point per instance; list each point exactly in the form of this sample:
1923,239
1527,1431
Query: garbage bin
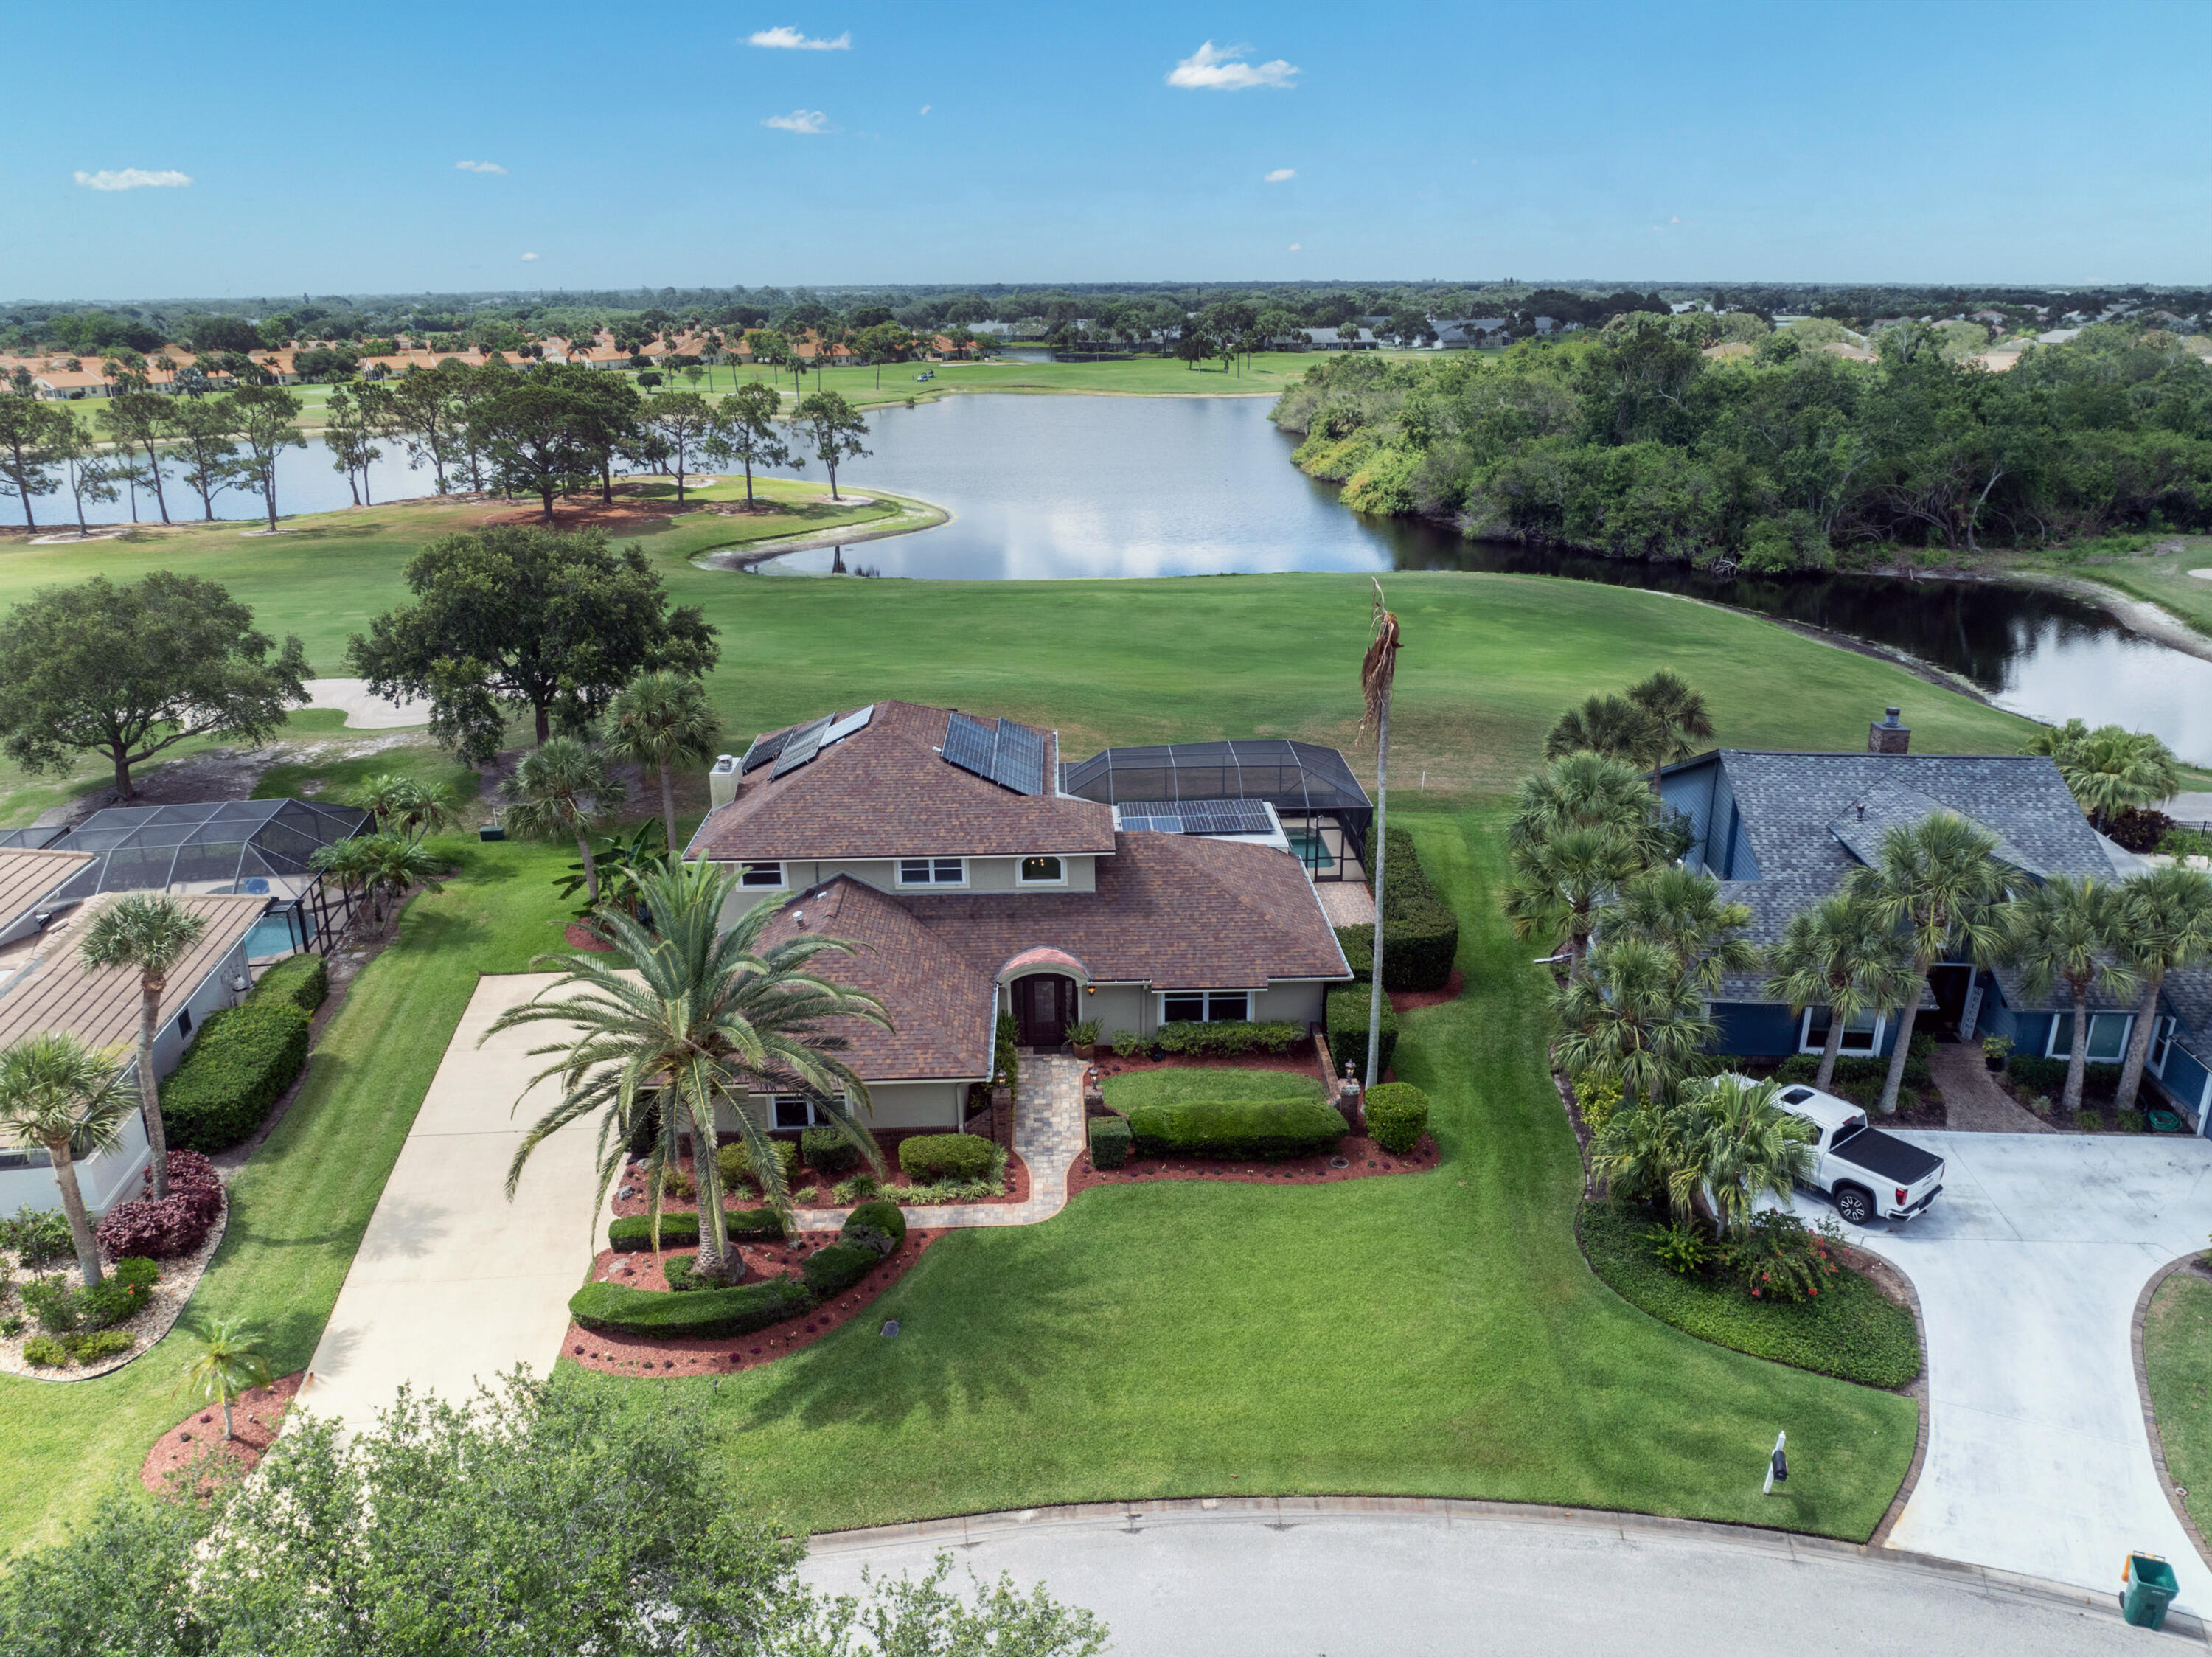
2148,1588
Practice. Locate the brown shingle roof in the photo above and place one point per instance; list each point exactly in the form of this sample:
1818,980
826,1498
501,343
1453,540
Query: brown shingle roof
58,991
27,875
885,791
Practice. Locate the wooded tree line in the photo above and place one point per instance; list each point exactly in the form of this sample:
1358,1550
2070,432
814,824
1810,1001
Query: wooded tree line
541,431
1632,443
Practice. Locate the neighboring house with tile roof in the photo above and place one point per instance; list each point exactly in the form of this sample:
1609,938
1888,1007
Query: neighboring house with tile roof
1782,831
943,845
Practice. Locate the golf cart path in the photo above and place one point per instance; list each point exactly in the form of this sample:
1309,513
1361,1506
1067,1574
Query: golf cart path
453,1284
2028,1269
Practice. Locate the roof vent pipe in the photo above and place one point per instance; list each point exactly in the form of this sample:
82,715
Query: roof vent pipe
1887,736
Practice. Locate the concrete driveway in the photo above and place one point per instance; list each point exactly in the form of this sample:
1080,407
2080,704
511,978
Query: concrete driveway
2028,1268
1247,1577
453,1283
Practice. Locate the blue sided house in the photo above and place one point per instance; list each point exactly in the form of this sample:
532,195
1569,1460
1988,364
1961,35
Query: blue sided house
1782,831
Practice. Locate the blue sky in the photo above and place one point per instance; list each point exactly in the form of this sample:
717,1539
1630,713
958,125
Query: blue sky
656,144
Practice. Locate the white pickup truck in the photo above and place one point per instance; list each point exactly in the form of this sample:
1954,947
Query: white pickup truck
1865,1171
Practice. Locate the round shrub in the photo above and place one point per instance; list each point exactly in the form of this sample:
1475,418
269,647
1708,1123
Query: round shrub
880,1215
834,1269
44,1352
1397,1116
829,1152
735,1161
947,1156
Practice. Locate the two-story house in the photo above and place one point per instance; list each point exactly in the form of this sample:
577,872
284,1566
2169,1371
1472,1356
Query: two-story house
944,846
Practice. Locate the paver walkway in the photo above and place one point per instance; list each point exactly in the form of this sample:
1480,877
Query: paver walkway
2027,1268
1972,1100
1048,1136
454,1283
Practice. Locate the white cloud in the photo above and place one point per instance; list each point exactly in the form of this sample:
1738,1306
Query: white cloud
924,109
527,258
784,38
1281,176
1296,245
479,166
134,177
800,120
1223,69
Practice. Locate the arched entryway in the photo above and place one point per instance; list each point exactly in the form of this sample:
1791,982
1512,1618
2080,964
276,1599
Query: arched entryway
1044,1006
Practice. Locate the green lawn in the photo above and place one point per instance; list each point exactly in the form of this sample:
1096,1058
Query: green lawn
2163,580
2178,1362
300,1207
1434,1334
1181,1084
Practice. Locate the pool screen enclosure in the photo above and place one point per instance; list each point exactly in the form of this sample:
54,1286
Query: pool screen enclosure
1323,809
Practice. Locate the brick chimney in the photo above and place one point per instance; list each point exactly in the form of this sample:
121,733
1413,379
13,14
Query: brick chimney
1886,735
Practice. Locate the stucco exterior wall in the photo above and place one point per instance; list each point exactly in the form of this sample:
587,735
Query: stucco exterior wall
984,875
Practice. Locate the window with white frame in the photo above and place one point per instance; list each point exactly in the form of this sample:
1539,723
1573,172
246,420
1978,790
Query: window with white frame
1204,1006
1042,871
760,875
933,871
2162,1044
790,1111
2108,1037
1862,1032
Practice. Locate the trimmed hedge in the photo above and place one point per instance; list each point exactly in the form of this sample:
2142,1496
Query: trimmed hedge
1273,1129
244,1058
2031,1075
618,1309
1860,1080
303,980
1853,1331
933,1156
1110,1142
1397,1116
830,1271
1348,1029
878,1214
1226,1037
682,1230
828,1152
1420,932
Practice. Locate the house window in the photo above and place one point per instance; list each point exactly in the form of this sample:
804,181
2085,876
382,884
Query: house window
1205,1006
1862,1034
791,1111
1041,871
933,871
2162,1044
2108,1037
185,1021
761,875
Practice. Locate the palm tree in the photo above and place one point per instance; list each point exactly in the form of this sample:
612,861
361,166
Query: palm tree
663,719
228,1364
2063,930
1938,880
1742,1145
2110,768
147,932
393,865
562,788
1610,725
1560,884
1681,910
686,1016
57,1094
1634,1018
2166,921
1840,954
1583,789
1681,715
403,804
1378,673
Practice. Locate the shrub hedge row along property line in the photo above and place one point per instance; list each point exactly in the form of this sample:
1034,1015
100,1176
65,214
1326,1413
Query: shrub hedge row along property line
1347,1021
1397,1116
1269,1129
635,1232
1420,933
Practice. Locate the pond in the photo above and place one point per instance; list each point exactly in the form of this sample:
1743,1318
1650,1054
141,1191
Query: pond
1042,487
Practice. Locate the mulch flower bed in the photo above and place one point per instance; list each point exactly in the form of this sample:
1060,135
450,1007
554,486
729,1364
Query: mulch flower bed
1411,1001
633,1181
197,1441
675,1357
1363,1157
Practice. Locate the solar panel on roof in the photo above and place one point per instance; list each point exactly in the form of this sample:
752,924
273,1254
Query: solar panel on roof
970,744
765,747
850,723
806,742
1019,763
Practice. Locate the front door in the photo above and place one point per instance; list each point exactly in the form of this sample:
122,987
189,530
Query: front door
1044,1006
1950,986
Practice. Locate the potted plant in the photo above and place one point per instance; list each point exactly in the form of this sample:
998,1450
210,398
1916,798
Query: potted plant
1083,1038
1995,1050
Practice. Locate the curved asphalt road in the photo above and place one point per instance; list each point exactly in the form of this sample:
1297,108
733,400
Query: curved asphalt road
1259,1578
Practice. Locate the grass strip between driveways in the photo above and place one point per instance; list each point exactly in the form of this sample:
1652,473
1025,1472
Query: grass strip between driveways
1429,1334
299,1209
2178,1364
1851,1329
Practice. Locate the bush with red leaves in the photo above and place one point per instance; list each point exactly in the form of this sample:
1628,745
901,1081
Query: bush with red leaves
2136,830
176,1225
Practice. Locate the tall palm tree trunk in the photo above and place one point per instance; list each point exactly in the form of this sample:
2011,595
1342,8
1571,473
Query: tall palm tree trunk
80,1222
716,1258
2077,1059
150,986
1895,1078
2131,1073
1381,843
1828,1052
590,868
668,806
227,1432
